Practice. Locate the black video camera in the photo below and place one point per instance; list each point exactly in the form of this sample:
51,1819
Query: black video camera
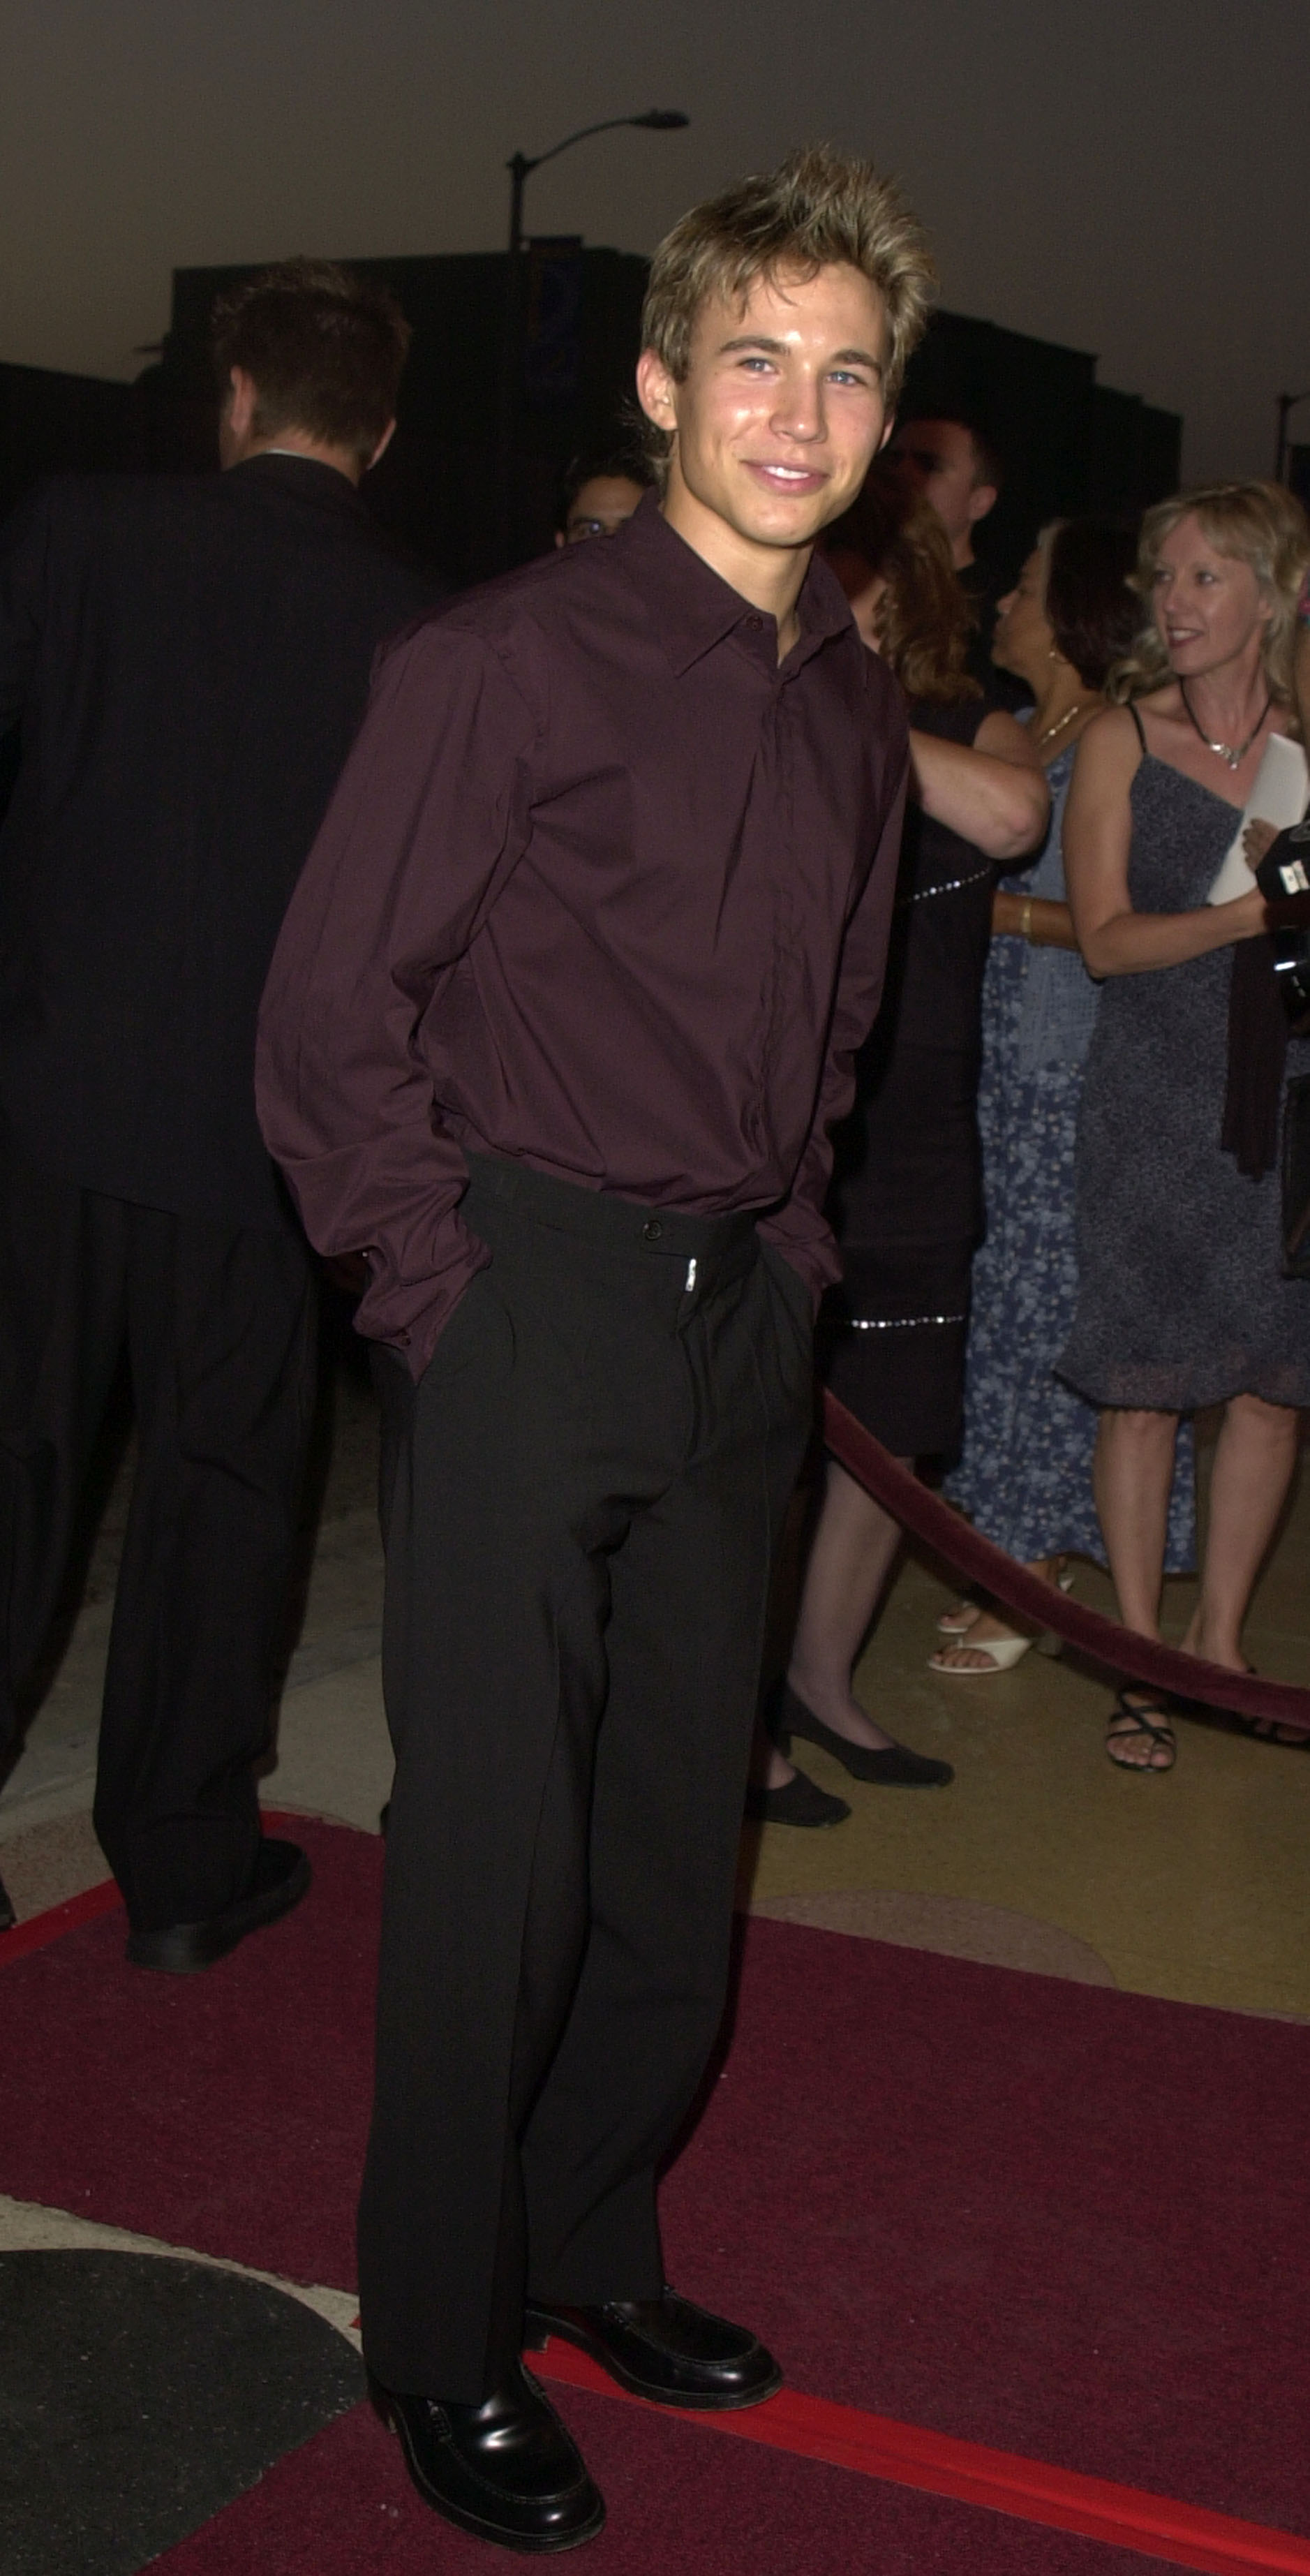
1283,877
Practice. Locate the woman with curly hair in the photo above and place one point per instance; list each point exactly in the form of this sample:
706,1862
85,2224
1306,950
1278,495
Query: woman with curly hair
1182,1302
906,1196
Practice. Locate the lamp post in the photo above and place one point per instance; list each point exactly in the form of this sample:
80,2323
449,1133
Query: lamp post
657,120
1286,403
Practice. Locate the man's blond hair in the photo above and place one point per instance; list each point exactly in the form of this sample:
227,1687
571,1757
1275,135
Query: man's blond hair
818,209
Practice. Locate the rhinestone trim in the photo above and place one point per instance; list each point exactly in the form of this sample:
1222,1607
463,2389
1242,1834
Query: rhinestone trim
899,1323
953,886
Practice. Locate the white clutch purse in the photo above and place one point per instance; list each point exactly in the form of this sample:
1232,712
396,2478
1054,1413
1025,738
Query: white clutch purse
1279,796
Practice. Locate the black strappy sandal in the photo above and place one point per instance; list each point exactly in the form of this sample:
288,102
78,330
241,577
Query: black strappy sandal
1130,1725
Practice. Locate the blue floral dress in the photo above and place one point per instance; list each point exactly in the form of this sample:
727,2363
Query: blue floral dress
1025,1471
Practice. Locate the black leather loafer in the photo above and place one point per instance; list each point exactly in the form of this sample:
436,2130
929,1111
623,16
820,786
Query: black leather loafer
282,1874
664,2349
506,2470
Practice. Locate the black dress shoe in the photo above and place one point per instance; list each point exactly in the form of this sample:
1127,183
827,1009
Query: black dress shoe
282,1874
890,1766
801,1802
8,1918
664,2349
505,2470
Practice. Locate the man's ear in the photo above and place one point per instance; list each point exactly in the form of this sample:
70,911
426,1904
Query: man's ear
241,402
888,426
983,498
383,444
656,391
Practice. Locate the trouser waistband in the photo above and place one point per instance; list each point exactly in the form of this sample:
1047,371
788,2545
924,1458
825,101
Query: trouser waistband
600,1217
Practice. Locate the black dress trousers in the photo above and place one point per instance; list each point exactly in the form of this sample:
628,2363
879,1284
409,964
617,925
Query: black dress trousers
587,1490
219,1326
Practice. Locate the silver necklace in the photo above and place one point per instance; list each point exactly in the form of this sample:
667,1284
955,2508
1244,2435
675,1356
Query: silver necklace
1233,754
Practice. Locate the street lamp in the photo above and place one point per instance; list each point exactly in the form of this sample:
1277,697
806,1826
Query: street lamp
1286,403
656,120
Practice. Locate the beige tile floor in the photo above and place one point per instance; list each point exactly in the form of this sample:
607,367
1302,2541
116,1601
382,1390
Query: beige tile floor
1191,1885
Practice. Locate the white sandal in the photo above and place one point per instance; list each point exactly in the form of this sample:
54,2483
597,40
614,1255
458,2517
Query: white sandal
966,1614
1002,1653
958,1622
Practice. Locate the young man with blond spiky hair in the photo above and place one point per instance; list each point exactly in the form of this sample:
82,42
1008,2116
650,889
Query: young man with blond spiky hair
564,1008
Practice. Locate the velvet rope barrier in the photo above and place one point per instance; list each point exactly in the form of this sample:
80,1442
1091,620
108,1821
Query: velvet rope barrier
1138,1659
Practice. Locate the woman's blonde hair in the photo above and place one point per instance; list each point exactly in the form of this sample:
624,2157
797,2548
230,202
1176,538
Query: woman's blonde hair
818,209
1260,524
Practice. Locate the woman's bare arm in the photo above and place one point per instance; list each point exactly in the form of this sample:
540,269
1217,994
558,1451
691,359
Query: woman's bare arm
1114,939
993,794
1033,917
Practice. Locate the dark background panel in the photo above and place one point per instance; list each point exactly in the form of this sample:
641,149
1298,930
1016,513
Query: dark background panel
1068,443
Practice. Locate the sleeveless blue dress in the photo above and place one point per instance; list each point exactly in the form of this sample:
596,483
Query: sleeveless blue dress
1181,1298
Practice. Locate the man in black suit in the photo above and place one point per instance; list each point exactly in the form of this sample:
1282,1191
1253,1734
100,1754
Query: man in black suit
189,659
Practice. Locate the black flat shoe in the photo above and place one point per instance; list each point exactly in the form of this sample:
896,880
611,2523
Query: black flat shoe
802,1802
891,1766
282,1874
666,2349
505,2470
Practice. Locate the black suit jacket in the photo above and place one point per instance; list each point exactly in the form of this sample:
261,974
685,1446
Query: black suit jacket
189,658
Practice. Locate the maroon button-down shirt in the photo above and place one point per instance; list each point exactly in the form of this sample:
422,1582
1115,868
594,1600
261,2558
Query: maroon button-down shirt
604,888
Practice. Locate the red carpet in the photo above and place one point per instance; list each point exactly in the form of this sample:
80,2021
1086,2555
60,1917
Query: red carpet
681,2501
1048,2218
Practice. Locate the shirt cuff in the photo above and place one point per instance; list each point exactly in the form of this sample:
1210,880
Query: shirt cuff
411,1316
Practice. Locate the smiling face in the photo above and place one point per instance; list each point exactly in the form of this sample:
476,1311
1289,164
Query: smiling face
778,418
1208,606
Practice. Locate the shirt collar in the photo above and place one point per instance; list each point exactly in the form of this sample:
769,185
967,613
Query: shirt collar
307,475
693,608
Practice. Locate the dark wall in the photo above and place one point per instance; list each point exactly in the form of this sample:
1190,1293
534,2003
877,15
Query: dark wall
52,423
1069,444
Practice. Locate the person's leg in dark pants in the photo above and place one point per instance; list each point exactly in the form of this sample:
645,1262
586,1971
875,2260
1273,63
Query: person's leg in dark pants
221,1335
689,1597
575,1388
63,1263
494,1671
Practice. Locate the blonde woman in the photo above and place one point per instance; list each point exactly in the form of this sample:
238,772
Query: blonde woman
1181,1299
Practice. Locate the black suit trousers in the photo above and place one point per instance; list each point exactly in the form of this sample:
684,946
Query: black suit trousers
219,1326
585,1494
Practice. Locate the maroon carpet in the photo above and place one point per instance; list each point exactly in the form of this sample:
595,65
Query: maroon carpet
1046,2217
681,2502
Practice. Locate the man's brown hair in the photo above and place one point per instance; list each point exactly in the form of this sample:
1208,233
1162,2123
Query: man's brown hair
818,209
325,350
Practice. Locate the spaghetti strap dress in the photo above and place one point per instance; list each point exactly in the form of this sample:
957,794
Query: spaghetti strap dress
1181,1298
